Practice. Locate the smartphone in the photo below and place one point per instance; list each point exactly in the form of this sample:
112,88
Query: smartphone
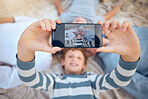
77,35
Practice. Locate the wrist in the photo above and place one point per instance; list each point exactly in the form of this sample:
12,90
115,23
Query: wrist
25,54
133,56
60,11
130,58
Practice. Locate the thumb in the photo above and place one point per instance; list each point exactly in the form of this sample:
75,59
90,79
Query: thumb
54,49
51,49
105,41
106,49
99,22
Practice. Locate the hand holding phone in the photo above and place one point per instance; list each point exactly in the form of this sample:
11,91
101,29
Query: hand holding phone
123,40
77,35
36,38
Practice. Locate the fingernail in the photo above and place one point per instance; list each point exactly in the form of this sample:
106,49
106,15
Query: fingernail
49,28
123,29
114,25
106,26
59,49
53,27
44,28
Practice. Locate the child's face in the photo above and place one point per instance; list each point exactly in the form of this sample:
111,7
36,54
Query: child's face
78,36
73,62
80,30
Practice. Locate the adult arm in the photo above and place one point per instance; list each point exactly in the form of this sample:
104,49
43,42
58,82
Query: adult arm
7,20
58,6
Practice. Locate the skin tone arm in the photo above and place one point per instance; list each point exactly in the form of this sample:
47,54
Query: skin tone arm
6,20
111,13
123,40
58,6
103,1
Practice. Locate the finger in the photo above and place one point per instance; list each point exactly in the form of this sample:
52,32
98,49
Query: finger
99,22
53,24
114,24
54,49
105,41
118,24
106,28
40,24
50,41
62,48
106,24
126,25
50,49
48,24
58,21
106,49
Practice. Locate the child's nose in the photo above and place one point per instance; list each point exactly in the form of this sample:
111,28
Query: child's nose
74,58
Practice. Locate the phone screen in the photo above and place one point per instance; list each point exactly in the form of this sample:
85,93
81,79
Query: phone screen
77,35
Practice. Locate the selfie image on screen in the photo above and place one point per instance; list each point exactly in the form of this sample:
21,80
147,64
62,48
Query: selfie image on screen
79,35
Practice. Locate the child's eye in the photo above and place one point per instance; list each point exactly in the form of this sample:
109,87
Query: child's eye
70,56
79,58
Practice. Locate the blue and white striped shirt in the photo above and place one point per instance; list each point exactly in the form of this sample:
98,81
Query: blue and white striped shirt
70,86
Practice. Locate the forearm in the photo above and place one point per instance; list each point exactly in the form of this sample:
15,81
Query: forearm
27,72
133,56
30,77
25,55
130,58
6,20
58,6
111,13
120,76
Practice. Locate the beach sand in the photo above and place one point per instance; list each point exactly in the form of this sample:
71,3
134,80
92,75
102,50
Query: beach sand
134,11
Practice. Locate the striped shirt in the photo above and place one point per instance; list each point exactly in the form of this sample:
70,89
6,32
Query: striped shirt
70,86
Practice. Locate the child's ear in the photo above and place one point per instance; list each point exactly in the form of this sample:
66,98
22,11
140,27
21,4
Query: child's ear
63,62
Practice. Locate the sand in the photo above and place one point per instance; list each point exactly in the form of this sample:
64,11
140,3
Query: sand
134,11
